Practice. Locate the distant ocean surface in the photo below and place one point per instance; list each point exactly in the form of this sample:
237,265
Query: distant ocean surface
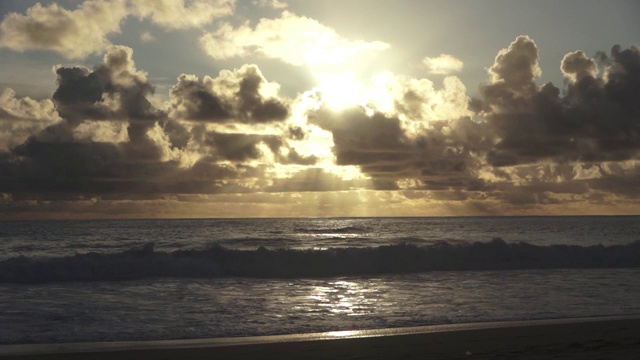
104,280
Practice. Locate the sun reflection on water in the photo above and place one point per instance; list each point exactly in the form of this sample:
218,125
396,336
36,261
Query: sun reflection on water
346,333
342,298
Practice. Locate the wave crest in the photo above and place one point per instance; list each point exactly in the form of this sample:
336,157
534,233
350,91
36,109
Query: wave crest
217,261
332,230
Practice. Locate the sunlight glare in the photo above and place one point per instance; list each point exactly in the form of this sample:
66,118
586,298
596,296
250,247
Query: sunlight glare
340,90
380,94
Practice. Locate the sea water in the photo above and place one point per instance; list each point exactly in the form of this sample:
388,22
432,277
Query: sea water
103,280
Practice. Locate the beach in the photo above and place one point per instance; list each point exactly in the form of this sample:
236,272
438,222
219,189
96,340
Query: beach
581,338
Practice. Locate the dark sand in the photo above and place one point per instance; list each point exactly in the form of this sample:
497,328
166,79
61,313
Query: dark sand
585,338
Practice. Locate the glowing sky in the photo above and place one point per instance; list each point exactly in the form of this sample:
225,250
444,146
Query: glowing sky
243,108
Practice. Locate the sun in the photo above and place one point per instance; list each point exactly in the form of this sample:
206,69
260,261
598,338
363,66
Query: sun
340,90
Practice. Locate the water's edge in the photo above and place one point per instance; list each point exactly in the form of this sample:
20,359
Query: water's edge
91,347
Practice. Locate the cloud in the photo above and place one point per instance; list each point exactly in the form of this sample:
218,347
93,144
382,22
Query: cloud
99,142
100,137
444,64
77,33
597,120
413,137
147,37
23,117
241,147
364,140
517,65
577,64
523,149
26,109
445,152
293,39
178,14
73,34
63,160
113,90
250,149
242,95
68,169
275,4
420,101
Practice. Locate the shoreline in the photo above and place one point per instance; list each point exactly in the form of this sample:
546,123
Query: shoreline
616,337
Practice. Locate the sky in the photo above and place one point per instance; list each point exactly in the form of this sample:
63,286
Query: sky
268,108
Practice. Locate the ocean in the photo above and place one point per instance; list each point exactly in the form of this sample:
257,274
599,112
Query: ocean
107,280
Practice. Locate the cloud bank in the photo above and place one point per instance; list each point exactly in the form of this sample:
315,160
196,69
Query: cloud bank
231,144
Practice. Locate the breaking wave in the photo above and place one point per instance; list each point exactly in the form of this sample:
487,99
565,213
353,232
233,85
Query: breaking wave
217,261
329,230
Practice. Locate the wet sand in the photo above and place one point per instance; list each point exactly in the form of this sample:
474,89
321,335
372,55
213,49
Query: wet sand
584,338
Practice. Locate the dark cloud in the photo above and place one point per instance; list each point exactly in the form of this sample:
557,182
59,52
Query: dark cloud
113,90
193,100
364,140
293,157
598,119
73,170
252,105
444,151
594,120
68,168
231,97
242,147
178,134
529,145
66,159
79,94
453,147
207,168
116,91
53,162
296,133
